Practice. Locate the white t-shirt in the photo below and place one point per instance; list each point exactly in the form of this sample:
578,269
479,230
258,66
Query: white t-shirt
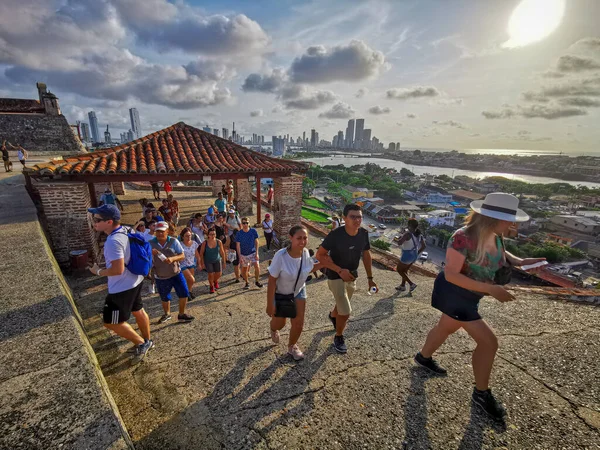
413,243
147,236
267,226
190,254
285,269
117,247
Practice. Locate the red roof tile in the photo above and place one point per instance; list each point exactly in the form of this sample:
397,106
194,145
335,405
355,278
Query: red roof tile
179,148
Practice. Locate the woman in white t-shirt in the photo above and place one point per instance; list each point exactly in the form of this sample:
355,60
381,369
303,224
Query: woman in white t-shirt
191,256
284,279
267,225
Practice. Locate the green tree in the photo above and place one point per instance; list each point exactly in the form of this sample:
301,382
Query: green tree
406,173
308,186
381,244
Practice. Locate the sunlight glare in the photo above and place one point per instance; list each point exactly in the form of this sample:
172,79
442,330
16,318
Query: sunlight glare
533,20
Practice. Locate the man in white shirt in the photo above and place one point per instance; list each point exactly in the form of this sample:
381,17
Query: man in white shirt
124,288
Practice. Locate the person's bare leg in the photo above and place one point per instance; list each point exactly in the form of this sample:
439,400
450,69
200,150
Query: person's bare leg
334,312
143,322
125,330
297,322
485,352
236,269
438,334
217,276
256,272
189,278
277,323
211,283
166,307
340,323
245,271
182,303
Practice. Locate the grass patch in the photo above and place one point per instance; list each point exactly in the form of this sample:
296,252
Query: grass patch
315,203
314,216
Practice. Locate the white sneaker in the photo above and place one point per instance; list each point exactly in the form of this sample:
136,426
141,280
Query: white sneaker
275,336
296,353
152,289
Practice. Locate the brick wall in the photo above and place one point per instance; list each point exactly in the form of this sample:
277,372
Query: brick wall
242,192
40,133
69,224
287,204
216,186
118,188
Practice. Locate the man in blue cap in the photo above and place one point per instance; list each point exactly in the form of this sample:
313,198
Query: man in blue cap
124,288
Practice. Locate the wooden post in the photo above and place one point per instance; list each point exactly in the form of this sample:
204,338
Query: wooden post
93,199
258,202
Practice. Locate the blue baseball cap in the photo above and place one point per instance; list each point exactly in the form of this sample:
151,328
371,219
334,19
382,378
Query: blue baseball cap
107,212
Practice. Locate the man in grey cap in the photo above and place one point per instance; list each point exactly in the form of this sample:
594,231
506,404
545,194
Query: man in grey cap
124,288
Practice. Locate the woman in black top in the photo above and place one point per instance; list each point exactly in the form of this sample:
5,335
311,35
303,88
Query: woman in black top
221,229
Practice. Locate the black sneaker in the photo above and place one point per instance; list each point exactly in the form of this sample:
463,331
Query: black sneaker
237,280
488,403
430,364
258,284
247,286
185,318
333,321
164,318
191,296
339,344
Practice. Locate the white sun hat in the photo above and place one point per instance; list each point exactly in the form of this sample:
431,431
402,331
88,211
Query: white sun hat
501,206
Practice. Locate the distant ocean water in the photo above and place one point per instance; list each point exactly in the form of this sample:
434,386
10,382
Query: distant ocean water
505,151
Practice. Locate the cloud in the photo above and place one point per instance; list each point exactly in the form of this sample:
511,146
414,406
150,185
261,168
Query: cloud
549,112
450,101
535,97
411,116
379,110
310,100
586,87
589,42
361,92
579,101
552,74
449,123
257,113
474,135
415,92
353,62
272,82
571,63
523,133
339,111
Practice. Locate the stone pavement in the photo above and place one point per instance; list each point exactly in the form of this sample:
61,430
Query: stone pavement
52,393
219,382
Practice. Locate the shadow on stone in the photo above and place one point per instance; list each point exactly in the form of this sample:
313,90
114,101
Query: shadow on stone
415,411
474,434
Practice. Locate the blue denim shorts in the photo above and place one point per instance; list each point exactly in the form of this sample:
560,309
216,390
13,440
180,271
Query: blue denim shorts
457,302
165,286
408,256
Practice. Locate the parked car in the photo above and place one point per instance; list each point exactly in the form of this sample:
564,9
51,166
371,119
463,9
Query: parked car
424,256
382,226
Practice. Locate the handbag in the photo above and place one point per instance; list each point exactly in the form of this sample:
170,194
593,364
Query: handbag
285,304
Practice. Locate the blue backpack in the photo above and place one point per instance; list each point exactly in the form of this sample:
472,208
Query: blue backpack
140,261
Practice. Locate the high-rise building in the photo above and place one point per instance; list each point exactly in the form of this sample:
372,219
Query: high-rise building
216,131
360,126
278,146
350,133
130,136
334,141
123,138
392,147
397,146
207,129
375,143
304,138
94,126
225,133
134,116
107,138
340,139
366,138
317,139
313,138
85,132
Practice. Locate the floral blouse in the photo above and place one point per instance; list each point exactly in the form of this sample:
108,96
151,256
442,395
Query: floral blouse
468,247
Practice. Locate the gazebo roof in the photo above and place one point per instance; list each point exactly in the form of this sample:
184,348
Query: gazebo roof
177,150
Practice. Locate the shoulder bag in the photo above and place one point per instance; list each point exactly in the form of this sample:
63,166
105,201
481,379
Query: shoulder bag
285,304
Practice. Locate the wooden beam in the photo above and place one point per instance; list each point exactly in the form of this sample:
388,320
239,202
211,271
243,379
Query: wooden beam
93,198
258,203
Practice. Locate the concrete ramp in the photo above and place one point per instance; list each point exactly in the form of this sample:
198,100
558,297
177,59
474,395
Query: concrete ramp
52,392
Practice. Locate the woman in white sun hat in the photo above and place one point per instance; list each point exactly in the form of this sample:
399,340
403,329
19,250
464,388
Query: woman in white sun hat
477,264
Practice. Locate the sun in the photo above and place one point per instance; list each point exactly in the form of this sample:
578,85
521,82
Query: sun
533,20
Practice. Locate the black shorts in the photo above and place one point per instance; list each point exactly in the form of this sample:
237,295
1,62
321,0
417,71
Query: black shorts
454,301
118,307
22,161
5,158
214,267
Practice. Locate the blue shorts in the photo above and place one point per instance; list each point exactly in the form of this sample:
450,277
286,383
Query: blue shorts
165,287
408,256
301,295
188,267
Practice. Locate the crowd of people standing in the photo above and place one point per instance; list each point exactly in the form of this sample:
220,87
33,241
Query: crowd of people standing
477,265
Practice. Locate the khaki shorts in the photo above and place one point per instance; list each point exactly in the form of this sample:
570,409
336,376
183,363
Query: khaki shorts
342,292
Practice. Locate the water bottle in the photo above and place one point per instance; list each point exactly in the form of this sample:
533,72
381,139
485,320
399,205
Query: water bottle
372,290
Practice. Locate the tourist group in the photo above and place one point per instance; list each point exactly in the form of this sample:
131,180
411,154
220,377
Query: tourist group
477,264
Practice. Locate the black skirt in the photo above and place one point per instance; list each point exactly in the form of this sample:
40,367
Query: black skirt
454,301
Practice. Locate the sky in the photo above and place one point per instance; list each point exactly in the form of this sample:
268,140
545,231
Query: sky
458,74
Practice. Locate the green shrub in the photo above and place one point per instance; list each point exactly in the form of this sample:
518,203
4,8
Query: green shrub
381,244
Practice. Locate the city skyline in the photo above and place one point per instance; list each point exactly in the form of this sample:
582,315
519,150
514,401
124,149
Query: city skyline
464,78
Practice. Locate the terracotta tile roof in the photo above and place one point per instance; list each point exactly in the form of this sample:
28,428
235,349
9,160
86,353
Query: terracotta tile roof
20,106
179,148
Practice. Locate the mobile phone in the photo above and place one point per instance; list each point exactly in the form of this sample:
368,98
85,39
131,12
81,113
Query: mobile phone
534,266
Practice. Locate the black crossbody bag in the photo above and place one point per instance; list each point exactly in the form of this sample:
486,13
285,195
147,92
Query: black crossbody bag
285,304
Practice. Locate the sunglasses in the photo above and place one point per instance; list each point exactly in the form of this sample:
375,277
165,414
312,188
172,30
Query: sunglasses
99,219
244,223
